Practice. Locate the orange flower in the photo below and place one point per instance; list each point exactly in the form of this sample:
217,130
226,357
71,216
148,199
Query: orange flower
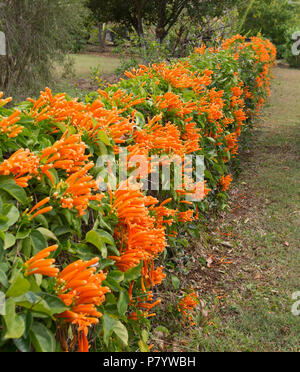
67,153
79,188
144,304
172,102
186,305
5,101
151,276
8,124
225,182
232,143
201,50
164,138
80,288
142,239
136,72
40,265
41,211
21,163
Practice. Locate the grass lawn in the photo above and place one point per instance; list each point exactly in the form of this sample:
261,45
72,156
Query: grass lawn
248,300
84,62
79,83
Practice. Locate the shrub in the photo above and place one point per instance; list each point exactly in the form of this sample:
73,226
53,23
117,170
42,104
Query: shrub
78,262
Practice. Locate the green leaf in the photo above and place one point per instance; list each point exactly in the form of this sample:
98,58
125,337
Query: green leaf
41,220
101,149
121,332
32,301
61,126
23,344
55,304
117,275
112,325
143,346
112,284
38,241
175,282
35,282
8,184
106,263
19,286
140,119
15,325
9,241
26,247
23,234
93,237
133,273
106,237
108,327
28,317
104,138
42,338
3,279
47,233
11,216
145,335
123,302
208,175
41,302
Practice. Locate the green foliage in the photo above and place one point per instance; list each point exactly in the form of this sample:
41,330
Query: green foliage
38,35
54,127
272,19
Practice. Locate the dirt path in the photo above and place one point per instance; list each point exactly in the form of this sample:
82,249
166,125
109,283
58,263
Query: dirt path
261,237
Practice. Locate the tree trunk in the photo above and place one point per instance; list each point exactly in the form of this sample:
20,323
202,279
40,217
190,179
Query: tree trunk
161,19
101,37
178,40
139,6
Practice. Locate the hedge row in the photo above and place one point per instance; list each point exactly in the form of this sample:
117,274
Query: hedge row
79,264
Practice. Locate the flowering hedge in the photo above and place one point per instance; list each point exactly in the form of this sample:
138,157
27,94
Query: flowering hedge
79,264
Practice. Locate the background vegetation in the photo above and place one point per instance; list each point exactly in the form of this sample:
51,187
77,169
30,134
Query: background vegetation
77,271
41,35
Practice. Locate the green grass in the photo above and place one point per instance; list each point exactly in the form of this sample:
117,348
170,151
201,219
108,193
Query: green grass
78,82
84,62
257,315
264,220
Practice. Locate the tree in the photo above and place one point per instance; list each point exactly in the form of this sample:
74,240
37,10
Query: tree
168,12
38,33
271,18
163,14
130,13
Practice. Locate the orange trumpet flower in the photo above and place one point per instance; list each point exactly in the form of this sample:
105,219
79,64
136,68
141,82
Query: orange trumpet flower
40,265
